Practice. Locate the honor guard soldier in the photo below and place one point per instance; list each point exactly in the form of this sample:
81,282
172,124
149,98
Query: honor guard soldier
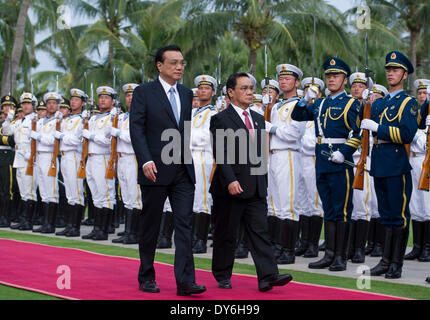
71,154
127,172
394,122
273,91
99,151
45,140
312,216
257,103
285,164
21,130
335,117
364,201
7,143
379,91
201,151
419,206
196,100
41,110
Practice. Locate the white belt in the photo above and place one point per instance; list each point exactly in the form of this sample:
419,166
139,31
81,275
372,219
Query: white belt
321,140
5,148
279,150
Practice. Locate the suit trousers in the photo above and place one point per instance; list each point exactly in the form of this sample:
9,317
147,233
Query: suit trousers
228,214
181,196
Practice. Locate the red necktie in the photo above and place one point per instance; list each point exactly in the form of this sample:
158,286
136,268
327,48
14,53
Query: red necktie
248,124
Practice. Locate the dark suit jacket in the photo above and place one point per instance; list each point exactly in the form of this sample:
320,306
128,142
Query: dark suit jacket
151,114
252,185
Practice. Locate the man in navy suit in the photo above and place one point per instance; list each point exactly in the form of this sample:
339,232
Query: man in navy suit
156,107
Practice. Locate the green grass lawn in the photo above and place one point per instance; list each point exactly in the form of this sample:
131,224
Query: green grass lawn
400,290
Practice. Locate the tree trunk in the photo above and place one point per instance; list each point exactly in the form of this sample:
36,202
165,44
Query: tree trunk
413,57
9,79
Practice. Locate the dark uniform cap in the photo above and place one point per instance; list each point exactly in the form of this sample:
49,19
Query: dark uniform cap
65,103
8,100
41,106
397,59
336,65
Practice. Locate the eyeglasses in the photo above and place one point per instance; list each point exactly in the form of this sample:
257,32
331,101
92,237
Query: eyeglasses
174,63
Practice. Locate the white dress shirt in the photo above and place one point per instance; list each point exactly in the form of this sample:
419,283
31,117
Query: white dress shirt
242,116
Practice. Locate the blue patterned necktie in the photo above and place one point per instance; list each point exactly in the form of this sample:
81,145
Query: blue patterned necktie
173,104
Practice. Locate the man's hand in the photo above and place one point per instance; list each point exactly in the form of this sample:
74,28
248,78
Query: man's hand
35,135
337,157
366,93
149,170
310,94
234,188
58,135
369,125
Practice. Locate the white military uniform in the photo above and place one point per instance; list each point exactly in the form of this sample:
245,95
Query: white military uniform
311,201
201,151
20,130
364,201
127,166
71,154
48,186
285,162
419,205
99,150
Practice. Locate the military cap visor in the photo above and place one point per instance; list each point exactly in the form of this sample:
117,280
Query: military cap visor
336,65
396,59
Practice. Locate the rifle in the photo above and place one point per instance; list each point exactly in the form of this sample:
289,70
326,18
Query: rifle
266,99
361,165
424,183
32,160
112,164
53,168
82,163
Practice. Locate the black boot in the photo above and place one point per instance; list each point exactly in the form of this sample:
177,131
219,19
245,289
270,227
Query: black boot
44,210
321,247
127,227
91,214
38,215
20,215
97,223
370,237
75,230
305,227
418,236
105,223
28,215
314,237
202,233
69,214
379,239
132,236
351,239
4,221
360,241
289,235
274,230
425,253
49,227
383,265
330,239
399,242
340,258
241,248
17,204
165,240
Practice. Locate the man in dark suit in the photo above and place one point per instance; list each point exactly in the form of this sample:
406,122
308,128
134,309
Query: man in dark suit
156,107
239,187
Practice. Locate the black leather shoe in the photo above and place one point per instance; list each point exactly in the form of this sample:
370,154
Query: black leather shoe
225,284
277,280
149,286
190,288
428,279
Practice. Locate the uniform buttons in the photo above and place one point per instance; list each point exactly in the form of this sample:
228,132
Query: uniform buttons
397,150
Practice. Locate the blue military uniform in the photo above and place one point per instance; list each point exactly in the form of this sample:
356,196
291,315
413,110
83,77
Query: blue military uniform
397,115
336,129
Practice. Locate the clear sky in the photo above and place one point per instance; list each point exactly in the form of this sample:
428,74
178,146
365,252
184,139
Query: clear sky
46,63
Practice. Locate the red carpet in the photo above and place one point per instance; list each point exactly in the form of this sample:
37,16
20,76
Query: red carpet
99,277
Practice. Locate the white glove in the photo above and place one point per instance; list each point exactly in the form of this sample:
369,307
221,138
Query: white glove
35,135
59,115
337,157
428,121
32,116
366,94
268,126
10,115
113,112
86,134
58,135
85,114
266,99
114,132
369,125
310,94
